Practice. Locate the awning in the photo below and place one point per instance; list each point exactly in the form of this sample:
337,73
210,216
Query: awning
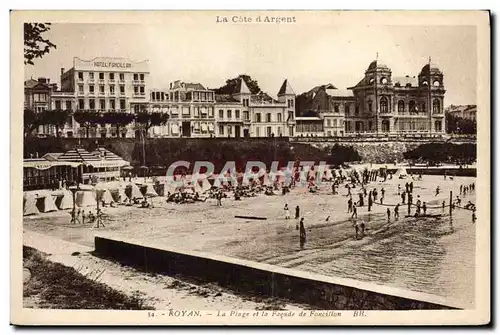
107,164
47,165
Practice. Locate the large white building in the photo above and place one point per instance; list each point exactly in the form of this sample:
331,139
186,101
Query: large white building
103,85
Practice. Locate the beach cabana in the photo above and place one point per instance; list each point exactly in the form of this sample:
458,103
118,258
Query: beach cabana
64,200
85,198
29,205
45,203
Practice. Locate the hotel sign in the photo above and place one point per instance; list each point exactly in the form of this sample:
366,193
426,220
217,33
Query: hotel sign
113,65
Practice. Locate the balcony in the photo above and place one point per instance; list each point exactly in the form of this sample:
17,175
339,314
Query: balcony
112,93
122,80
92,93
111,80
101,93
101,81
122,93
91,81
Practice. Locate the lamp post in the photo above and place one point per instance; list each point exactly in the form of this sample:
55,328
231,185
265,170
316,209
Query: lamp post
74,217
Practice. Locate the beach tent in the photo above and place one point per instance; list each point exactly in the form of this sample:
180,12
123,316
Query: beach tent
45,203
401,173
29,205
85,198
120,196
105,196
134,191
205,186
150,191
64,200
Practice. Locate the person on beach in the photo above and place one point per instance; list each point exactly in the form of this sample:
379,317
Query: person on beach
354,211
461,189
374,194
349,205
297,212
287,212
356,229
361,201
403,197
437,191
348,190
362,227
382,191
417,211
333,189
474,216
443,205
302,233
388,214
399,189
396,212
411,187
219,198
370,201
424,208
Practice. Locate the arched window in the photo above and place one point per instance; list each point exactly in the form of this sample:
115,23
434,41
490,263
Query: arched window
436,106
412,107
336,108
383,80
383,105
401,106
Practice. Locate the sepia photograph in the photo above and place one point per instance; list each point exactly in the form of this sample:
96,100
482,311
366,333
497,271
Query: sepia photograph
250,167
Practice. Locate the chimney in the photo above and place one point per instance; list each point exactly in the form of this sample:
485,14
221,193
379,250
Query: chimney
62,71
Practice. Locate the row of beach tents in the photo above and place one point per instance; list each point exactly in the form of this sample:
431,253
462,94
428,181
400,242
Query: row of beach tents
49,201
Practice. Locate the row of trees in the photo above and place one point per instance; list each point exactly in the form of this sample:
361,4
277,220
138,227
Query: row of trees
443,153
89,119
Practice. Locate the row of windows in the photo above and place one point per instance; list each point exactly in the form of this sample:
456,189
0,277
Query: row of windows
412,105
137,89
102,104
111,76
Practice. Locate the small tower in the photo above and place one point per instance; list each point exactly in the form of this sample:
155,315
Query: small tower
287,95
243,93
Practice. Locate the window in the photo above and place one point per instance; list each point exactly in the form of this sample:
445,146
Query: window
221,114
335,122
81,104
383,80
279,117
141,89
58,104
370,107
122,76
237,114
268,117
101,88
112,89
336,108
91,104
141,76
356,109
279,131
229,115
229,130
111,76
412,106
80,75
245,102
437,126
290,103
384,108
112,104
101,75
328,122
136,89
122,103
68,105
102,104
221,129
422,107
257,131
269,131
91,88
246,115
436,83
346,109
136,76
91,75
257,117
80,89
401,106
122,89
436,106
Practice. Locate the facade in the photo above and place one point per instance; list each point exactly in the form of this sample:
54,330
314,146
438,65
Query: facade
397,105
103,85
38,97
468,112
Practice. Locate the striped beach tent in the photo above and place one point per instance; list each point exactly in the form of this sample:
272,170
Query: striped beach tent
110,156
79,155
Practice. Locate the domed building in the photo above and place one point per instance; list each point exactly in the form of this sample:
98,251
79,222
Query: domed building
387,104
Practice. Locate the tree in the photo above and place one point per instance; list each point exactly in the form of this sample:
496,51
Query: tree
459,125
35,46
233,84
56,118
148,120
87,119
119,120
31,121
340,154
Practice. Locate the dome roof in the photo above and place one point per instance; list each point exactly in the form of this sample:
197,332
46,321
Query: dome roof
378,64
433,68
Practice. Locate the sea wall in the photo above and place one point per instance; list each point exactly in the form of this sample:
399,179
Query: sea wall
249,277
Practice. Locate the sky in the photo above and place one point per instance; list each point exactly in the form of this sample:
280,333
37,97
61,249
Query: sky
306,55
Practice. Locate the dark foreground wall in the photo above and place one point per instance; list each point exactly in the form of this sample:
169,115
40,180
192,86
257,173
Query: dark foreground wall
264,279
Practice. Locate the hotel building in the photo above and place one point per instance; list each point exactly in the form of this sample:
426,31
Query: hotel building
103,85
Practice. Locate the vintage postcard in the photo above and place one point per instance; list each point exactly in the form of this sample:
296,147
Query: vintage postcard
250,167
